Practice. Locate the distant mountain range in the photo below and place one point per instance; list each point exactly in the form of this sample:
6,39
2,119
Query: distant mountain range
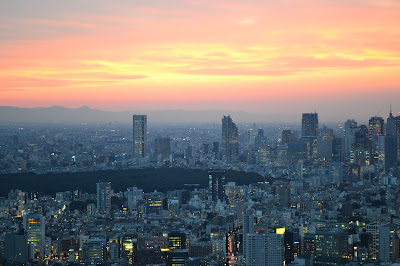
85,114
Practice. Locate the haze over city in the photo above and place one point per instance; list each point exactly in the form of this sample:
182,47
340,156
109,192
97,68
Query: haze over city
199,132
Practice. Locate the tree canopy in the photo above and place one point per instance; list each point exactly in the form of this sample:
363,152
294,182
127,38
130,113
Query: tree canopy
148,179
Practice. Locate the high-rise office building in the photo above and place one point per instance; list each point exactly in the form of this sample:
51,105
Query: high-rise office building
104,197
264,154
248,227
177,257
375,133
35,234
15,247
215,149
389,151
134,194
391,144
331,248
176,240
94,250
337,150
380,247
324,143
282,153
148,253
206,148
307,242
361,140
230,140
336,172
396,120
284,196
391,125
216,182
255,252
361,149
287,136
162,149
376,126
264,249
139,136
397,124
259,140
350,129
115,249
289,246
309,125
275,249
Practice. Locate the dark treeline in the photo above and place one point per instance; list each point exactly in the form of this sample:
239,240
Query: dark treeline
149,179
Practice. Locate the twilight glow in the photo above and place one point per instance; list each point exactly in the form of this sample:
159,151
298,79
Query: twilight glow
261,56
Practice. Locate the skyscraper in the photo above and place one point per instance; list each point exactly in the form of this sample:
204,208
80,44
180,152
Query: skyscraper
259,140
275,249
35,234
309,125
264,249
104,197
381,248
216,180
361,140
255,252
361,149
391,143
215,149
162,149
248,227
375,134
287,136
134,194
139,136
324,143
397,126
336,172
391,125
230,140
350,129
331,248
376,126
94,250
283,195
15,247
337,150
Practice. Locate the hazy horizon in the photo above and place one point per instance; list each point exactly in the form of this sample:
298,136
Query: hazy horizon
180,116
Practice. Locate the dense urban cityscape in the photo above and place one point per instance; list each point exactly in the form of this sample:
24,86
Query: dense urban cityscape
326,195
200,132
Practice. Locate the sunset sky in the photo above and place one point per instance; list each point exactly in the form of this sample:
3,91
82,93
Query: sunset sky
340,58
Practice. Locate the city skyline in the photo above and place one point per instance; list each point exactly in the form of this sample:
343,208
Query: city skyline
199,55
199,132
275,195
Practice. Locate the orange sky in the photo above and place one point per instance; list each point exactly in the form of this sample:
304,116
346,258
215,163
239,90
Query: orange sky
257,56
